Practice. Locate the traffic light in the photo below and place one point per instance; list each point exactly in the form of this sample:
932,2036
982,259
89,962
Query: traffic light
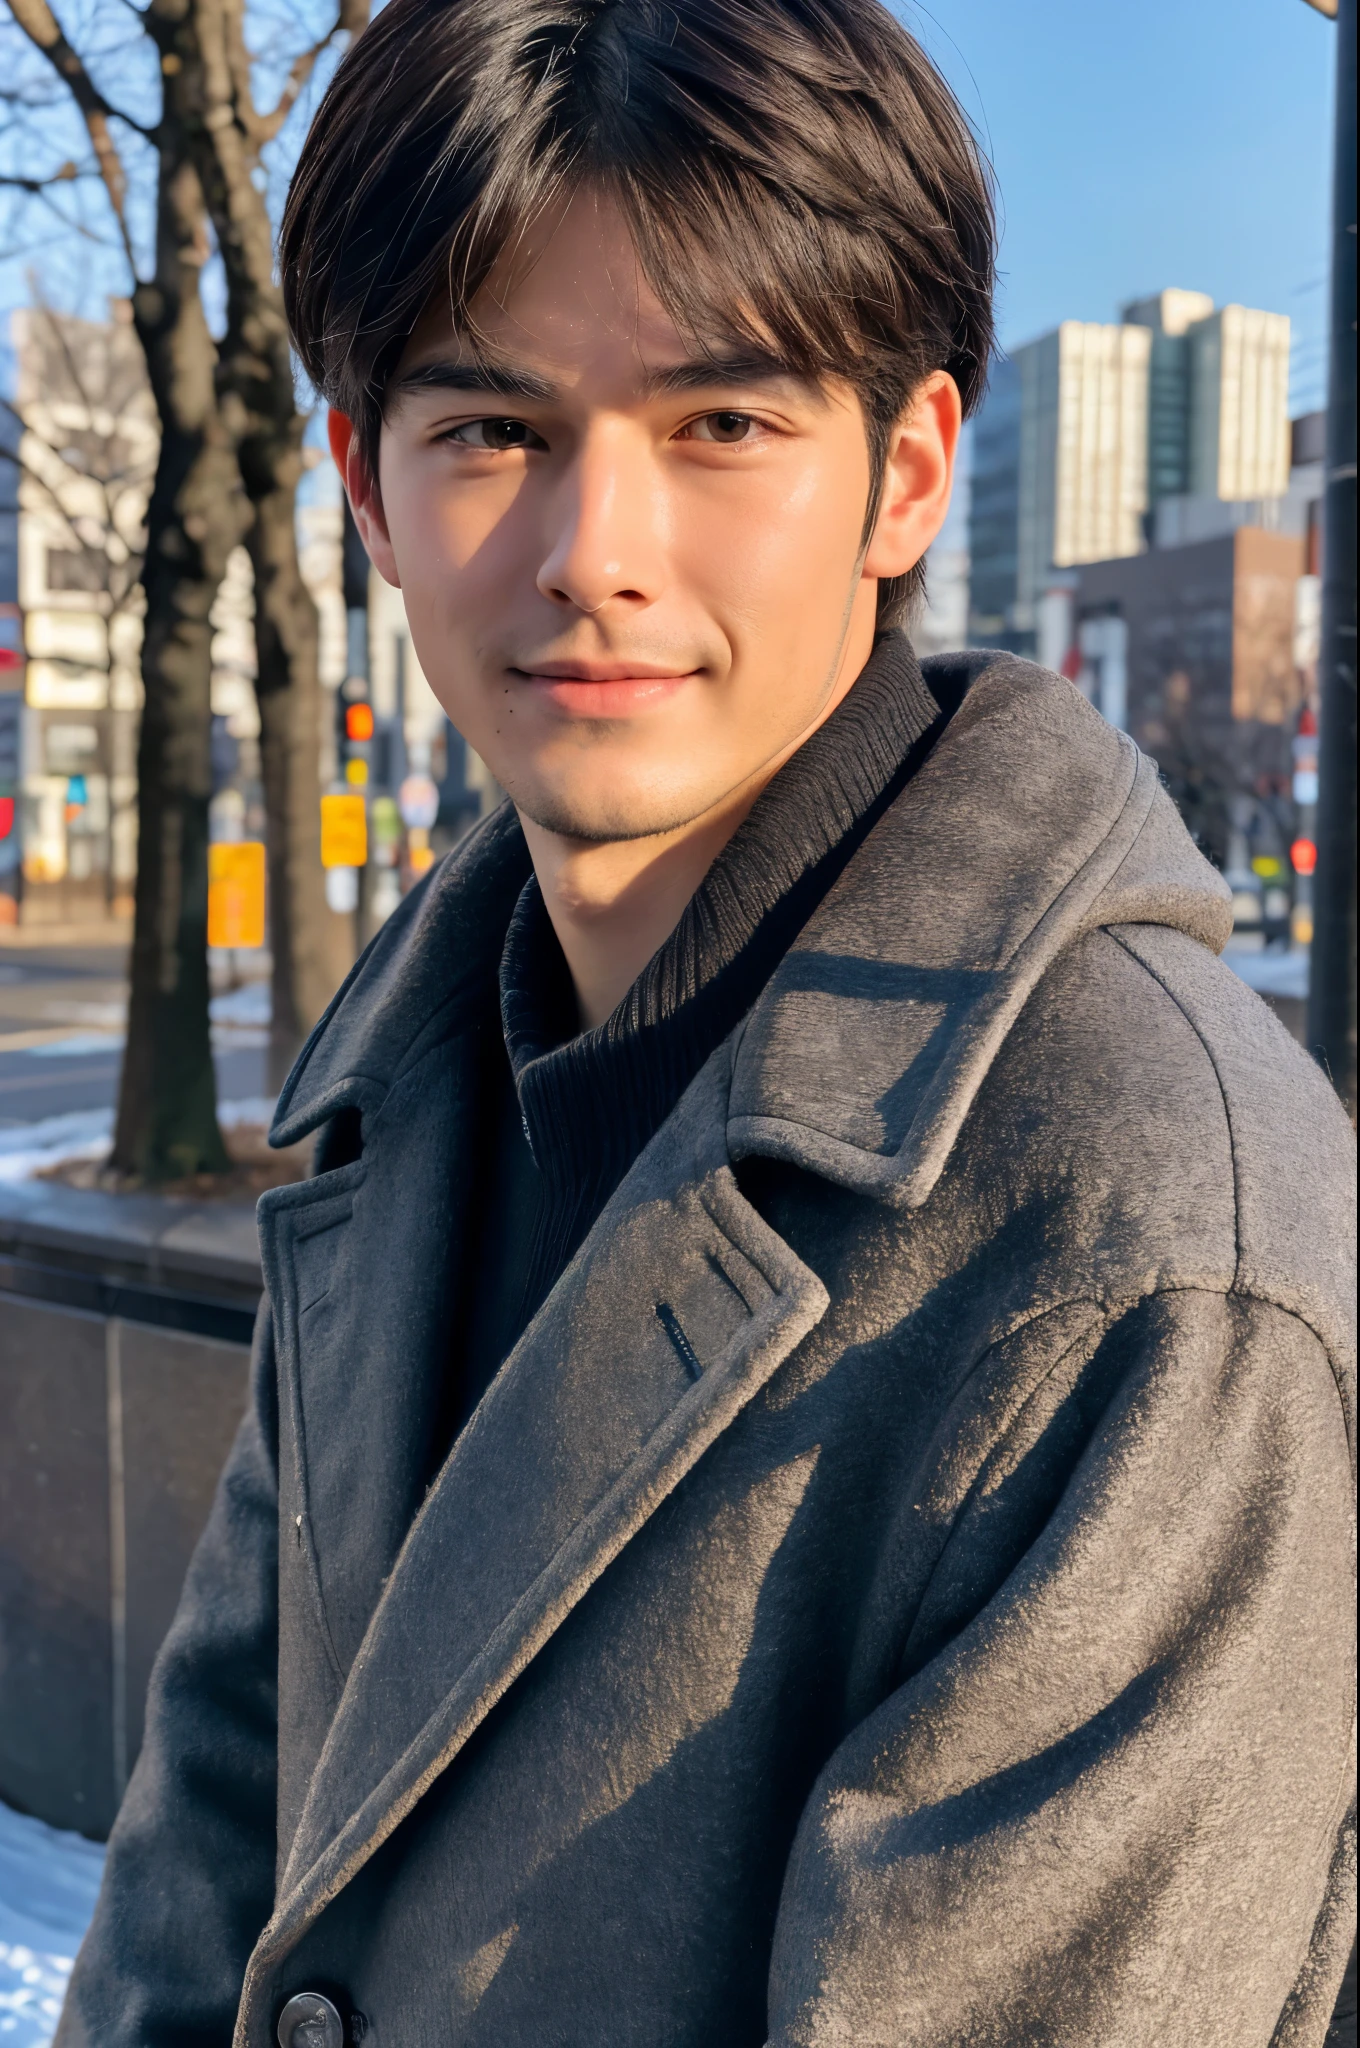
354,722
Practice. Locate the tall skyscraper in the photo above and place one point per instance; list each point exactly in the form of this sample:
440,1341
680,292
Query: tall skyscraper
1091,428
1239,405
1060,464
1168,316
994,508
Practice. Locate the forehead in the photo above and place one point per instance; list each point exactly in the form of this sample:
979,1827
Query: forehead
568,293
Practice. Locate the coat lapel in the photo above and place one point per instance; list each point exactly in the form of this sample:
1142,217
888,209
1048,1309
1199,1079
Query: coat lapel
677,1309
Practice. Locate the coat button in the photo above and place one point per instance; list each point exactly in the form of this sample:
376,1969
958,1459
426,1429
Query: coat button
310,2021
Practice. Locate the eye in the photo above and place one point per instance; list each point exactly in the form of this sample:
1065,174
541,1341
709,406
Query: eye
498,435
724,427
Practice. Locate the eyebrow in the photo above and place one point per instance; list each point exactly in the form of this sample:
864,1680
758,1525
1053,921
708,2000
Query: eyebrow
506,379
492,380
747,367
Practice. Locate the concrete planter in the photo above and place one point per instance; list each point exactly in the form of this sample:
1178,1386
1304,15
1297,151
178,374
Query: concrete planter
124,1346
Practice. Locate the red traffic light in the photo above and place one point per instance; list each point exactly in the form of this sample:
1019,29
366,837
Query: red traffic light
1303,853
358,721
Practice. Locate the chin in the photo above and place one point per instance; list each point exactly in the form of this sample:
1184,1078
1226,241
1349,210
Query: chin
612,813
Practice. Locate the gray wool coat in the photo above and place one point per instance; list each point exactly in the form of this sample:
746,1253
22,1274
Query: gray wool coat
897,1593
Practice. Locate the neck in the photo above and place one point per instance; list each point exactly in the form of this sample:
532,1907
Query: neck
613,903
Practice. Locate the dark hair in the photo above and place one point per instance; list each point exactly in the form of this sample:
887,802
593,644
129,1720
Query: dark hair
793,172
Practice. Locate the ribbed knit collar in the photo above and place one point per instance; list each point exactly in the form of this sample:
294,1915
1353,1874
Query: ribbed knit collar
590,1100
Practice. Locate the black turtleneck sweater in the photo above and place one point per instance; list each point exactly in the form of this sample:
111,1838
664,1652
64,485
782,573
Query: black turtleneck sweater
568,1111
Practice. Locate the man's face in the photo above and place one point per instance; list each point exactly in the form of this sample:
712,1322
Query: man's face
634,582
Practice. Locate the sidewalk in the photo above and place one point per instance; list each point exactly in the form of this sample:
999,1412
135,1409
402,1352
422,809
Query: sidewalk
48,1882
109,931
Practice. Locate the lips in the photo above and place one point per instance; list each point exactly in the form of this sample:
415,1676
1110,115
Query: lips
607,693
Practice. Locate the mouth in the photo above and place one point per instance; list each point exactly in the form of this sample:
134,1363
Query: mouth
602,689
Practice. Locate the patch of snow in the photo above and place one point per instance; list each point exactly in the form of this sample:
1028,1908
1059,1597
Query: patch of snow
80,1042
52,1141
1271,971
105,1016
253,1109
248,1004
48,1884
28,1149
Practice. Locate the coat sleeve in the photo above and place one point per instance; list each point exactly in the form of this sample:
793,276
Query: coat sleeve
1110,1808
189,1881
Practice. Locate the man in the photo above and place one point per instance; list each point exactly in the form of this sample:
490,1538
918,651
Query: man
797,1485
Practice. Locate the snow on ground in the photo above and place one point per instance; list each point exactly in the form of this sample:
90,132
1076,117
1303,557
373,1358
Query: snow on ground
28,1149
1271,971
48,1882
248,1004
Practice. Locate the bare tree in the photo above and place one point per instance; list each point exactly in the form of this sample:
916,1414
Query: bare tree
257,388
230,457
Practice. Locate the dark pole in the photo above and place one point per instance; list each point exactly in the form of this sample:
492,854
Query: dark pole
1331,1000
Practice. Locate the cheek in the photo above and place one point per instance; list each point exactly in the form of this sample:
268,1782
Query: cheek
782,537
453,543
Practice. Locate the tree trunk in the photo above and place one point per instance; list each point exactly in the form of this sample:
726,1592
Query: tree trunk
312,947
167,1103
310,952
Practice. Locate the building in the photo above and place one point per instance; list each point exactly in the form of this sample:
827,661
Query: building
1059,472
1193,651
941,624
1097,441
87,455
1239,405
1206,650
1168,317
1083,451
11,667
994,514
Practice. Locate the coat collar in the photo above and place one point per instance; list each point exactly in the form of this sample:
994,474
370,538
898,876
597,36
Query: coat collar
1032,822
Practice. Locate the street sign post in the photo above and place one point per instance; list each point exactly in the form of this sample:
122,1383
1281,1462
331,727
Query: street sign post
236,872
344,830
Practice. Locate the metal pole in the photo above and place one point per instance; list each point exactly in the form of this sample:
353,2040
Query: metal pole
1331,1000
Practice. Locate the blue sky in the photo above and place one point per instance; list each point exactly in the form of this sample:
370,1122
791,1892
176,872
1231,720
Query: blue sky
1163,142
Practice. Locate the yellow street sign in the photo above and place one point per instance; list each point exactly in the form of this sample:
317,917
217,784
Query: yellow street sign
236,893
344,831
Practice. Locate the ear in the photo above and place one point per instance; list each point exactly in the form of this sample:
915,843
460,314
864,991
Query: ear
918,477
364,498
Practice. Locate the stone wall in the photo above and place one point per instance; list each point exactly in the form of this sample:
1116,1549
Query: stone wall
124,1350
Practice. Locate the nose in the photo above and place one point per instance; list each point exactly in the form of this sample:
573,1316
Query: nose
606,544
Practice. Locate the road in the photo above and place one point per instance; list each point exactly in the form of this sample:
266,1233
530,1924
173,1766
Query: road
61,1033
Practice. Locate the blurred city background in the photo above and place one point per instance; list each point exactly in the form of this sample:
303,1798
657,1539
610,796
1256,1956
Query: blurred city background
195,659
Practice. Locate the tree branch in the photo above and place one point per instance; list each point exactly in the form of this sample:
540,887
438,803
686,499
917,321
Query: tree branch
351,16
43,30
61,176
